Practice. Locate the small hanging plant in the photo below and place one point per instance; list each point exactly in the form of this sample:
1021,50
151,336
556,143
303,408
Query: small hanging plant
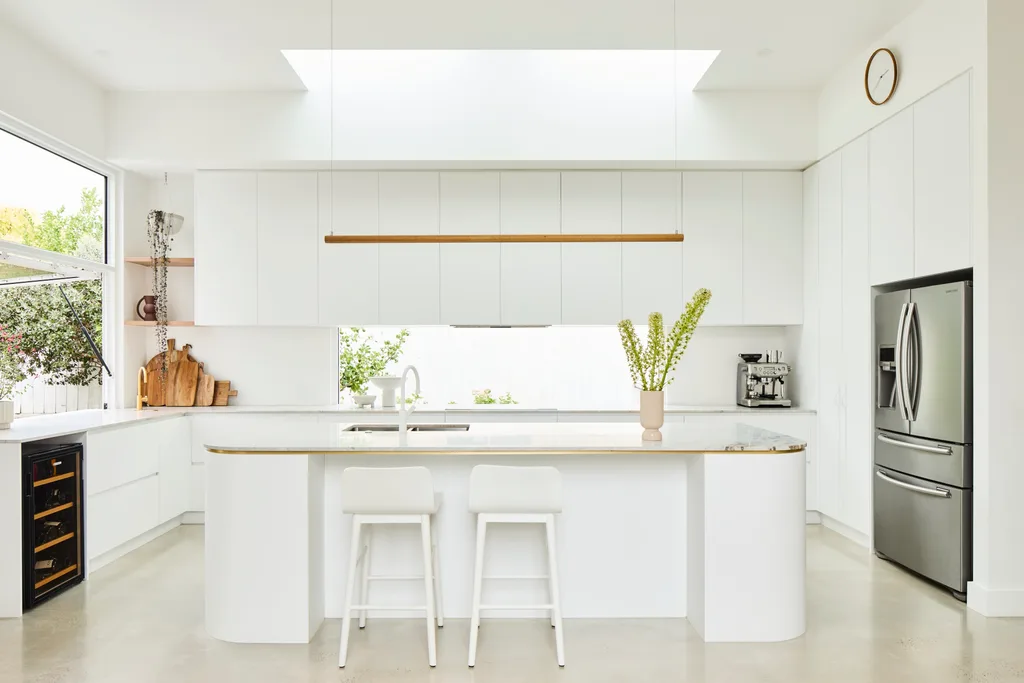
159,234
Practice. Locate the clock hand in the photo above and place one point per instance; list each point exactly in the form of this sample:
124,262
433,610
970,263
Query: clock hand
879,81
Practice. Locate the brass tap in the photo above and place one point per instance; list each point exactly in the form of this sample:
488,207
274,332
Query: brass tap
141,398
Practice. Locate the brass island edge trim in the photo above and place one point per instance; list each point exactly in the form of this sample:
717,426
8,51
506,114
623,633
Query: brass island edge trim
418,451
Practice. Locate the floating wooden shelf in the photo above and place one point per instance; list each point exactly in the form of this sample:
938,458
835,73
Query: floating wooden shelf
151,323
489,239
171,262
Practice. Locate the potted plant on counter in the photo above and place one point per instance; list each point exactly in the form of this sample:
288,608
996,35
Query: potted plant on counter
363,357
651,366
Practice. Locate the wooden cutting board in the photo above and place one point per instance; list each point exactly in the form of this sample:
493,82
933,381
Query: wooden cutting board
204,388
221,391
155,379
182,378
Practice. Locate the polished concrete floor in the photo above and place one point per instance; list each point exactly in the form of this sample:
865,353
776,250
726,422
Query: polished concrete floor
140,620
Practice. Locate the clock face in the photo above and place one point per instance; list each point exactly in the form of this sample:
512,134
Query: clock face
881,76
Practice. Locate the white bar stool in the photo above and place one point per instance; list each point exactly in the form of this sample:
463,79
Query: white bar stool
390,495
516,495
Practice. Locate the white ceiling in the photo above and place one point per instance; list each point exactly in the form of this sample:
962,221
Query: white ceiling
209,45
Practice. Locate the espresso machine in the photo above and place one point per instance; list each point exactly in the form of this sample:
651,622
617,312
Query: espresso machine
761,380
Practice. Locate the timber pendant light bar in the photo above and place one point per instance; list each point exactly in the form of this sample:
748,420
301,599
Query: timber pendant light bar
482,239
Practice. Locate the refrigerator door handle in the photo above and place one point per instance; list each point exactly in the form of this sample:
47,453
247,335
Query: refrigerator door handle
901,363
937,491
914,354
937,450
903,371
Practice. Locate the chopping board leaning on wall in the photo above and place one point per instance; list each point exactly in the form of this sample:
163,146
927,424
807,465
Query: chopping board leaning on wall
183,381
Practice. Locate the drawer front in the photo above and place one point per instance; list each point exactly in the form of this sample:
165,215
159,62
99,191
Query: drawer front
924,526
119,456
941,462
119,515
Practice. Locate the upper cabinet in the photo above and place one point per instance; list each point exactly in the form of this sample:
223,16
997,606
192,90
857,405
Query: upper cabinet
591,273
348,273
470,277
226,248
531,274
713,250
891,162
409,274
652,274
772,248
287,235
942,179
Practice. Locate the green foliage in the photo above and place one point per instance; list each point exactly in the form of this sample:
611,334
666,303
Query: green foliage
483,397
51,343
360,357
650,365
10,362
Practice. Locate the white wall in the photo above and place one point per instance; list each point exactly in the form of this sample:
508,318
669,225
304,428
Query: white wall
42,91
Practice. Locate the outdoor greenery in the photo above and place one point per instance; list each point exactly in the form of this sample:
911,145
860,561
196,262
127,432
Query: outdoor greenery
363,356
651,366
51,344
483,397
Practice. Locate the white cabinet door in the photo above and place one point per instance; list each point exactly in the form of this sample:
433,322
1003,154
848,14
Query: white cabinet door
591,273
772,248
531,274
226,248
409,273
652,274
892,199
830,329
713,250
115,457
806,394
470,273
175,466
942,179
348,274
857,413
121,514
288,225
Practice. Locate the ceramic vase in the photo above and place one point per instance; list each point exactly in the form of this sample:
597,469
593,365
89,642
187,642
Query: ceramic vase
6,414
388,386
148,311
652,414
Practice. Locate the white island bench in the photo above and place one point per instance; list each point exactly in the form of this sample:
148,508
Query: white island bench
707,524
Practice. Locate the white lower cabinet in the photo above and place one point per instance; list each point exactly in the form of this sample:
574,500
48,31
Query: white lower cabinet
121,514
175,465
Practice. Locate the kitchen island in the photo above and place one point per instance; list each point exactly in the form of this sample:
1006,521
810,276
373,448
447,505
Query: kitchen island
707,524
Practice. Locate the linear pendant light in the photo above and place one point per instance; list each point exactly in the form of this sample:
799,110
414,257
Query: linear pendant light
491,238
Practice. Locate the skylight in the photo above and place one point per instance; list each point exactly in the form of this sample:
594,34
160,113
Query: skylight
314,67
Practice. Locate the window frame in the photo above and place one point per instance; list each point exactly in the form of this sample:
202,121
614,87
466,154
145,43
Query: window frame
111,270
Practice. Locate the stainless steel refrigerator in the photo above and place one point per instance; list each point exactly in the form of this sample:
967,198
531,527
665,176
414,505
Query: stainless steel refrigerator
923,456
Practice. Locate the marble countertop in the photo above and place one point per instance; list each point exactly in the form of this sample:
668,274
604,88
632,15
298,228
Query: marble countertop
61,424
513,439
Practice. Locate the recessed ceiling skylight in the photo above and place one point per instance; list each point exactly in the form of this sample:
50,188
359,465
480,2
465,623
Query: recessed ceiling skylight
314,67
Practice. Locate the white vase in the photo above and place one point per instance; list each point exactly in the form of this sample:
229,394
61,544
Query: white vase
363,400
6,414
652,414
388,386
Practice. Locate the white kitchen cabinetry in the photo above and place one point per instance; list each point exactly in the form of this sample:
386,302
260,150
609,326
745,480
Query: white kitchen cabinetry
652,274
226,248
470,273
591,273
287,228
409,274
891,176
348,273
857,365
116,457
942,179
531,274
830,332
119,515
175,465
713,251
772,248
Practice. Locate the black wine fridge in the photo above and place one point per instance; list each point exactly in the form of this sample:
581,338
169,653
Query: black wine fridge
53,519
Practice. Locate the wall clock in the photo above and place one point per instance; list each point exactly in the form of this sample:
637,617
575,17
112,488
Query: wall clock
881,76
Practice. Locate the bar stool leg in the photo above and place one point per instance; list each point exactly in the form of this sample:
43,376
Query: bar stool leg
364,592
556,608
478,579
428,583
350,585
439,602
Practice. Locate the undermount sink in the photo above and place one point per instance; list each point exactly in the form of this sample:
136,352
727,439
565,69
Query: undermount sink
412,428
